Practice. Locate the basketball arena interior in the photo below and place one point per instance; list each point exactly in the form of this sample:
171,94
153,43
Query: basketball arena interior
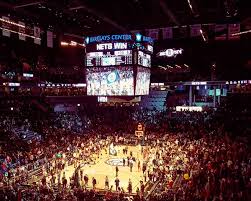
134,100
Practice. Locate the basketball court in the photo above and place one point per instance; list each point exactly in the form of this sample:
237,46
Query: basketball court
105,166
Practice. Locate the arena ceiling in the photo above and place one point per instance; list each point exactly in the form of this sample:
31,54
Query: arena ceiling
93,17
89,17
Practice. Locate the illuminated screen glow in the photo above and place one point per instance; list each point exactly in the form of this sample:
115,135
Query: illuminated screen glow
142,81
110,81
144,59
111,58
108,61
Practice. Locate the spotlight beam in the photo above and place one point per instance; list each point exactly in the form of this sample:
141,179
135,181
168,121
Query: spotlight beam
31,3
100,16
241,33
168,12
11,7
193,7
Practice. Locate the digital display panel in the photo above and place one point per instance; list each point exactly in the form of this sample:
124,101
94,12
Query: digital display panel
144,59
113,46
108,61
142,81
110,58
110,81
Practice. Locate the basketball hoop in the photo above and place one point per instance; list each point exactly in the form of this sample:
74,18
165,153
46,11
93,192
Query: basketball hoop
139,134
139,131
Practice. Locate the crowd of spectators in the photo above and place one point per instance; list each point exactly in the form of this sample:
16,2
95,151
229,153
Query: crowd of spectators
242,88
71,121
212,166
194,156
70,91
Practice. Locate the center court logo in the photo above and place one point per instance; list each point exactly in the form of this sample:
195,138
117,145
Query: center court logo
115,161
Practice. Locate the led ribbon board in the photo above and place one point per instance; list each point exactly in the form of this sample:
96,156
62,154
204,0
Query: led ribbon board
118,37
105,38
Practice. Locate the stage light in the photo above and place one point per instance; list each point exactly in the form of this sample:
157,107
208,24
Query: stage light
64,43
193,8
12,23
73,43
242,32
190,5
202,35
162,67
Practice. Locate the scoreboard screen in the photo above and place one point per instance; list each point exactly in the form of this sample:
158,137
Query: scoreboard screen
118,65
144,59
110,58
110,81
142,81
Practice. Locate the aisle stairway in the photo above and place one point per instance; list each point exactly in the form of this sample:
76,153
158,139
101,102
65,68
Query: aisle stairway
26,135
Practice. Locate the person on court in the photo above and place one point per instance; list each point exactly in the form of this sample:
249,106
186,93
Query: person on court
106,183
130,187
94,182
86,180
131,165
139,166
117,183
117,171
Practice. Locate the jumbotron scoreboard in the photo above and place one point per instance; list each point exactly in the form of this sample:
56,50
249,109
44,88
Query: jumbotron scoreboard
112,58
118,65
